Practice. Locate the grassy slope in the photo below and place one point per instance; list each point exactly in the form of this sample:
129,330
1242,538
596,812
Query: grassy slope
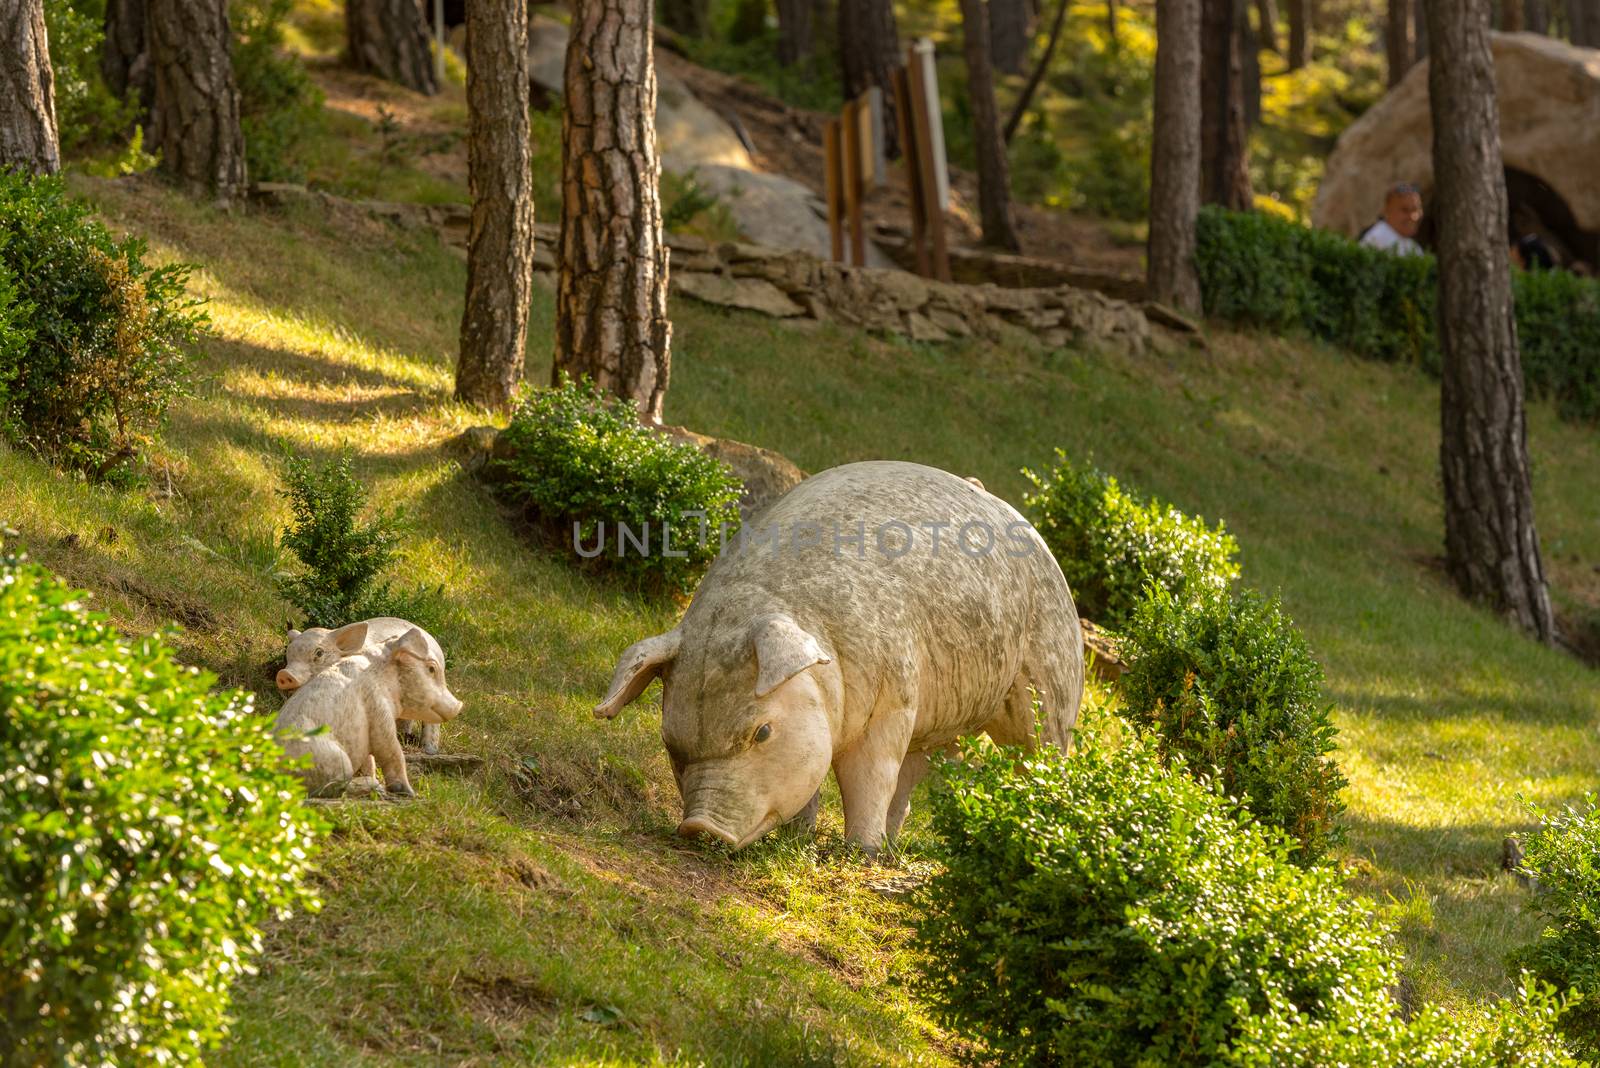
541,912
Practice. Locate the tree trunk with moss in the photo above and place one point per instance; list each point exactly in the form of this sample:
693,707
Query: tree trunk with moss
195,112
1490,540
611,295
494,324
389,39
27,91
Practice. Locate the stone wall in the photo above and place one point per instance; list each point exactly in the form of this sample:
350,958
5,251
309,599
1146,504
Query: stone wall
788,284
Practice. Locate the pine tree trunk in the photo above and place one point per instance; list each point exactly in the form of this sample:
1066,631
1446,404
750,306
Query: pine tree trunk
1224,142
27,91
796,31
1419,23
195,114
994,172
611,299
1490,540
494,324
869,51
1397,40
1511,16
389,39
1535,16
1583,16
125,55
1175,157
1299,33
689,17
1267,24
1010,30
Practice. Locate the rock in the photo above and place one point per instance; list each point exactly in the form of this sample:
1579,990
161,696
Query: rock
922,328
1106,661
691,135
279,194
1170,318
775,211
766,475
1549,98
547,53
477,444
752,294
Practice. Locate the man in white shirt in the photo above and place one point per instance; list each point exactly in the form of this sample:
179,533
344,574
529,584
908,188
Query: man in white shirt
1396,230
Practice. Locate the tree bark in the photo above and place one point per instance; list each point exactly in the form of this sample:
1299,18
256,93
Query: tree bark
796,31
389,39
689,17
1535,16
1020,108
994,172
1224,142
1267,25
125,55
1175,157
195,112
1419,23
1299,33
1113,33
494,324
1583,16
1511,16
611,298
1397,40
27,91
1010,30
1249,69
1490,540
869,51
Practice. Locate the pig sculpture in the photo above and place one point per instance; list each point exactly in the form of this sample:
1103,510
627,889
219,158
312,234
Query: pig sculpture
865,620
359,699
316,648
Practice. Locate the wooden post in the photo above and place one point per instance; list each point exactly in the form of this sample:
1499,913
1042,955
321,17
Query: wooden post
908,152
851,134
923,126
833,183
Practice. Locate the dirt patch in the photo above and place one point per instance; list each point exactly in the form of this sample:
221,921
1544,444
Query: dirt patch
507,1002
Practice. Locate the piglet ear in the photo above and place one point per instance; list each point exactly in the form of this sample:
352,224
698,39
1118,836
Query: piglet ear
783,650
350,640
412,643
641,662
291,636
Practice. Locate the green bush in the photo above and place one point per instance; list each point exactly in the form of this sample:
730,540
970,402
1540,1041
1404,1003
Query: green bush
101,354
1101,910
1564,855
343,554
1228,683
280,107
581,464
1272,273
1112,544
147,837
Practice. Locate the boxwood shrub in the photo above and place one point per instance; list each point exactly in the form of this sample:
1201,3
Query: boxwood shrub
1564,855
98,349
1269,272
583,467
1228,683
1103,910
1111,543
146,834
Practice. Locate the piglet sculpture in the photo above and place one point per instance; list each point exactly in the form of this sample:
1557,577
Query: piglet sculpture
358,700
865,620
317,648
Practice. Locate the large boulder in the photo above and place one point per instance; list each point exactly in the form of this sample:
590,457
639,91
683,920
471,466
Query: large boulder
1549,97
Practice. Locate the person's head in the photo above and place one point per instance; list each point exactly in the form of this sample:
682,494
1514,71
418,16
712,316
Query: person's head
1402,209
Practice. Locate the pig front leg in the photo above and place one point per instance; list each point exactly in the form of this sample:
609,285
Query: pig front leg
806,818
392,759
868,774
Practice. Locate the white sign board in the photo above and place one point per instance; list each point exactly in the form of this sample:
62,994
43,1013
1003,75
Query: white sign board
922,55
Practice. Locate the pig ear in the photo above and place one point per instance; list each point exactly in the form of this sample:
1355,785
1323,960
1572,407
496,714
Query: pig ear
412,643
291,636
783,650
641,662
350,640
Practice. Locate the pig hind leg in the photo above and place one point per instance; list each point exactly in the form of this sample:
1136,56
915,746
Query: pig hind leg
330,766
911,773
392,759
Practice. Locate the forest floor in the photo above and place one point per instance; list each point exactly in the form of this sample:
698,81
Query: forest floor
541,910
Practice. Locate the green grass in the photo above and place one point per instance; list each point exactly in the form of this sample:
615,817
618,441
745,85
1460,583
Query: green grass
540,911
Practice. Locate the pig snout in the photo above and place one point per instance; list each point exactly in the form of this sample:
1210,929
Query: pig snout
451,708
698,825
288,681
717,804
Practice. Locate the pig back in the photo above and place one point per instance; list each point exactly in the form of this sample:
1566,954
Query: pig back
851,555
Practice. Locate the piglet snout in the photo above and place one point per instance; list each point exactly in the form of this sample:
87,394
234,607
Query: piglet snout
288,682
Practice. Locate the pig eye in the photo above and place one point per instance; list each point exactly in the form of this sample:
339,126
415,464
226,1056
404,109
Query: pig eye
763,732
317,655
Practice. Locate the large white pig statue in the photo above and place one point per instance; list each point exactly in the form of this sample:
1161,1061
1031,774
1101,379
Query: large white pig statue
865,620
358,700
316,649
